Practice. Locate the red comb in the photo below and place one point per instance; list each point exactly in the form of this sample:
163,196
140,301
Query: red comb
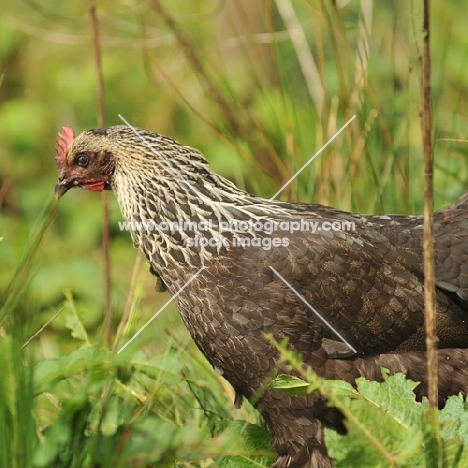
63,142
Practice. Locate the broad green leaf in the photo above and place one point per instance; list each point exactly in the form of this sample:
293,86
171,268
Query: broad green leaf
290,384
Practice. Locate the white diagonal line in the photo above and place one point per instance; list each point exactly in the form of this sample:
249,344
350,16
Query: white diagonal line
160,156
313,310
161,309
48,321
312,158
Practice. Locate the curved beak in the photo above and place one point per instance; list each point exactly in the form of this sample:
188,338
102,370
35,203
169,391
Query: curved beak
63,185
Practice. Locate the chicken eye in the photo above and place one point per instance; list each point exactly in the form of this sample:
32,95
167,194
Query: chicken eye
82,160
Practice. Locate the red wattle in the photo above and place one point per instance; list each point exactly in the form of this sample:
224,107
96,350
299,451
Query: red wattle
97,186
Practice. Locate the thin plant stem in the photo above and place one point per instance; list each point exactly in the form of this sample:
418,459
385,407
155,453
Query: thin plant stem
429,276
431,426
104,199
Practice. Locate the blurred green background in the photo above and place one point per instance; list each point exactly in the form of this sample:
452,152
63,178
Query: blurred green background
258,86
